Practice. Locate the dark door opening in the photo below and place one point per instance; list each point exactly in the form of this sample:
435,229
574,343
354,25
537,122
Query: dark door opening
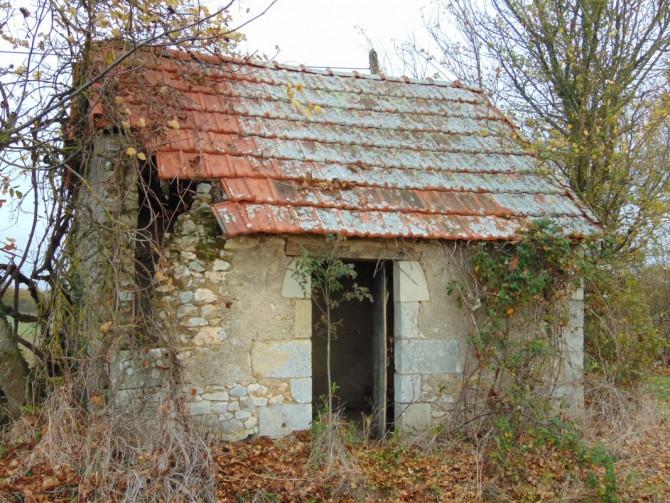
361,350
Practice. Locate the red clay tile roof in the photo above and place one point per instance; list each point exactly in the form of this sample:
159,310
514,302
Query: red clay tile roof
317,152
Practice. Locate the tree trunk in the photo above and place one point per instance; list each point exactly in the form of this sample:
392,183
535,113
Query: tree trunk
13,370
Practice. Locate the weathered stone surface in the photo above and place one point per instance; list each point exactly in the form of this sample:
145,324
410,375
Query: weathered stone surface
406,320
220,265
186,310
420,356
203,366
204,296
198,408
301,390
409,282
292,287
259,401
238,391
215,276
257,389
194,322
216,396
242,414
196,265
414,417
231,426
302,321
407,388
279,420
185,297
209,311
209,336
282,358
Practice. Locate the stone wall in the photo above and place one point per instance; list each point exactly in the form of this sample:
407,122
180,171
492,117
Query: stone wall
243,348
241,327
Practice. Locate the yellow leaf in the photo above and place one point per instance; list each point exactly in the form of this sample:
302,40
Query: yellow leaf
141,156
141,122
20,70
130,151
125,124
173,124
105,327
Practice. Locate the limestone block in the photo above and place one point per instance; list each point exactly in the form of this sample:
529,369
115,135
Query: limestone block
199,408
231,426
215,276
406,320
238,391
215,365
185,297
194,322
216,396
257,389
280,420
301,390
425,356
203,296
282,358
220,408
576,313
186,310
302,320
220,265
291,287
196,265
259,401
242,414
251,422
409,282
209,336
209,311
414,417
407,387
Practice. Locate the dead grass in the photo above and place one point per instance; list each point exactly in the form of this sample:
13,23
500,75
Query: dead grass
102,455
68,453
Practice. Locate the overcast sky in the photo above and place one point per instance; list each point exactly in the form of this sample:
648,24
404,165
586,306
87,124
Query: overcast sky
331,32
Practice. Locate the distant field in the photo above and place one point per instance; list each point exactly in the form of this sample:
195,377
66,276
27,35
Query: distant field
26,330
26,304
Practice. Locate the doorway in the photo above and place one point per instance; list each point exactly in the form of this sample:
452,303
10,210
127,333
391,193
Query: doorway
361,350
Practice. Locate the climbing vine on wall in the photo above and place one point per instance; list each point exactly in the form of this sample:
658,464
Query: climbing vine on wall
518,295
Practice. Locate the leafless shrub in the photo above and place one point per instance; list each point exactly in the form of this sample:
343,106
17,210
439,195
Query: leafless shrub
616,414
331,456
123,456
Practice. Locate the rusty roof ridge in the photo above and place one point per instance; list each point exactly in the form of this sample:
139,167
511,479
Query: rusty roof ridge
358,109
432,168
278,83
427,188
477,152
328,122
509,213
186,86
457,231
249,61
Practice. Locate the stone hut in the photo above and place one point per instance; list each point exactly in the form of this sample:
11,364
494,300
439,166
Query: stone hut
265,161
